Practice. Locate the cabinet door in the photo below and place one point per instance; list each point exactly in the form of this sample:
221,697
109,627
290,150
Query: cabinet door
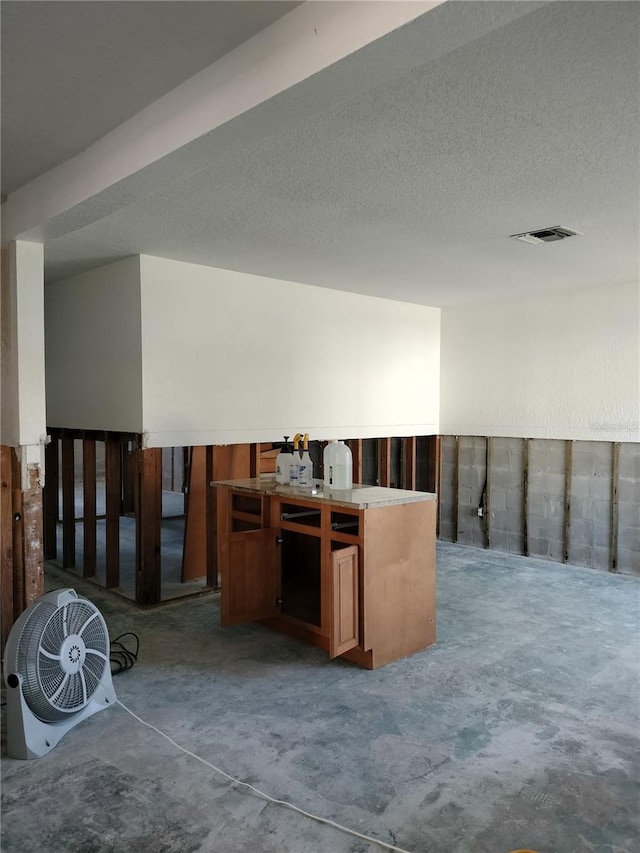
345,621
249,576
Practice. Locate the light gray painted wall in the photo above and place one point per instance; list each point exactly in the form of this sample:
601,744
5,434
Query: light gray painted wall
93,349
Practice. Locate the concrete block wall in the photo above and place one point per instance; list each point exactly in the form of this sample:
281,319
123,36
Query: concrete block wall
546,498
591,493
572,491
472,454
629,509
447,498
507,495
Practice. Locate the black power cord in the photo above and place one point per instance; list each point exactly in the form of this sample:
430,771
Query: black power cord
121,657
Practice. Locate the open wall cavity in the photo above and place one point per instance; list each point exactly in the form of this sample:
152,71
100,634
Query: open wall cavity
142,521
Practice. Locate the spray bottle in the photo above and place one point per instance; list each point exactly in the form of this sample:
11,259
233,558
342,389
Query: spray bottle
283,462
305,469
295,461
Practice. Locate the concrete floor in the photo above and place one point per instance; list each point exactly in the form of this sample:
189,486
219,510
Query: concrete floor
518,730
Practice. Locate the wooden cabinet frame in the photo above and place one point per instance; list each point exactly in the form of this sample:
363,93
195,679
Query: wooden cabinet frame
377,572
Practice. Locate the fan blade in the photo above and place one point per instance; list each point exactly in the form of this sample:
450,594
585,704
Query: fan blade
65,611
61,687
93,616
47,654
84,686
95,652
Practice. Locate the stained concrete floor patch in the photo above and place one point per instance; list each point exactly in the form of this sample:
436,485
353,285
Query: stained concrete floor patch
518,730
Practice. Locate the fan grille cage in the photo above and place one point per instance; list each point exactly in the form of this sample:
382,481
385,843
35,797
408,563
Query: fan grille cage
51,692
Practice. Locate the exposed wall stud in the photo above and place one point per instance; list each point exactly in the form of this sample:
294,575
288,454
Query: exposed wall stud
68,503
486,518
409,458
194,550
615,479
51,499
30,543
384,461
211,524
113,502
254,460
568,474
525,497
438,478
355,445
89,538
17,510
6,541
129,475
456,481
148,526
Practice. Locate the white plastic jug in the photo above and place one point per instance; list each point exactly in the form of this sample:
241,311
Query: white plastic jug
338,466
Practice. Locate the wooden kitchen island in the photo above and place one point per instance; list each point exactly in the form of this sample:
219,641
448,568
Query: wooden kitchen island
352,572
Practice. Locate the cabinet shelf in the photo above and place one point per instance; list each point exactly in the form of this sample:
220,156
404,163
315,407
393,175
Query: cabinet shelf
247,516
290,516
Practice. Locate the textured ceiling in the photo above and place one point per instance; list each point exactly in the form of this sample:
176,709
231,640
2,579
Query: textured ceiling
72,71
410,189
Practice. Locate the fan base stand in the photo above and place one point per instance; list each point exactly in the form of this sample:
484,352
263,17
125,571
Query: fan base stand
29,737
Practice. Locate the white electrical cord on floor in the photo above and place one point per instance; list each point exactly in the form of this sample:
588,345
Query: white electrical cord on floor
261,793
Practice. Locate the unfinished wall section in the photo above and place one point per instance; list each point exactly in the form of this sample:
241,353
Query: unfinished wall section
568,501
471,480
628,493
448,498
506,497
591,494
546,499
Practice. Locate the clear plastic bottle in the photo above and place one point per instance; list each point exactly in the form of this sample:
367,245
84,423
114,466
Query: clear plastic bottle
305,469
338,466
295,461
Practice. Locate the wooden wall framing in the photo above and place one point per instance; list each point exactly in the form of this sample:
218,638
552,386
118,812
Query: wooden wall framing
133,487
21,552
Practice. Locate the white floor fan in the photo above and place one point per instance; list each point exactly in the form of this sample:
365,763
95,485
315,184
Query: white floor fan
57,671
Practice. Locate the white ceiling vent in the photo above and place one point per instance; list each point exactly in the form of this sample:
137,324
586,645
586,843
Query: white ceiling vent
546,235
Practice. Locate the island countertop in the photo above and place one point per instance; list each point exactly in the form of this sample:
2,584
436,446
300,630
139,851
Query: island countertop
358,497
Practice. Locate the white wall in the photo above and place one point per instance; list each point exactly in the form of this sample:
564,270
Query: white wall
93,351
23,381
231,358
9,423
565,366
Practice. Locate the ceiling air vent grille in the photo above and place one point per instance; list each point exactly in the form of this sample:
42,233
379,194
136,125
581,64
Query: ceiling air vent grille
546,235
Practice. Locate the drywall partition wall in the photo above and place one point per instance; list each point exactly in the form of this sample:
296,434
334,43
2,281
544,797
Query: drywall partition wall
565,365
231,358
92,349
